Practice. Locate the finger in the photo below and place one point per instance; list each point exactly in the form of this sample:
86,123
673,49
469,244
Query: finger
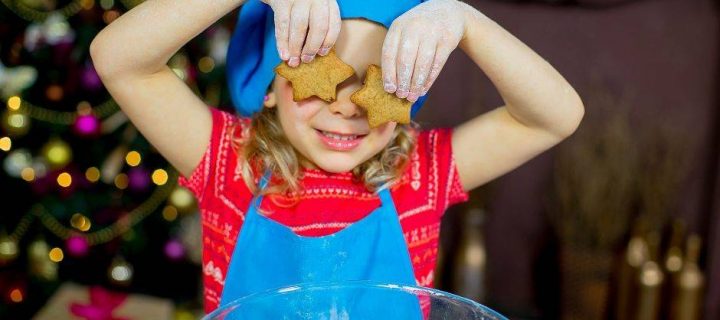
299,16
389,57
407,53
282,21
317,31
334,24
441,55
421,72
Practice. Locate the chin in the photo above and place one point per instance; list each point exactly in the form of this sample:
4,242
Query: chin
337,163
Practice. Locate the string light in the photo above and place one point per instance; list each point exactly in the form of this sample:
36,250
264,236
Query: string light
169,213
28,174
56,254
16,295
5,144
64,179
14,103
104,235
92,174
121,181
110,15
159,177
206,64
80,222
103,110
133,158
54,92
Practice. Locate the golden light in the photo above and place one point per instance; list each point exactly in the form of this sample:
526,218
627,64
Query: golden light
80,222
121,181
28,174
64,179
206,64
133,158
169,213
56,254
159,177
16,295
14,103
88,4
92,174
5,144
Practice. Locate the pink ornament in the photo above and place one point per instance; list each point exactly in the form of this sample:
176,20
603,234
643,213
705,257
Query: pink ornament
87,125
174,249
77,246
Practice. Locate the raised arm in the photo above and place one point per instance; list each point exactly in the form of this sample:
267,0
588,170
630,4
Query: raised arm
541,108
131,55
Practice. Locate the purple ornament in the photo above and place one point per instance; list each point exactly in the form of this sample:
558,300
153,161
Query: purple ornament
174,249
138,179
87,125
77,246
90,78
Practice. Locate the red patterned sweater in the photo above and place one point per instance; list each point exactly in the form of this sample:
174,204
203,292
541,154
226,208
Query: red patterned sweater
328,202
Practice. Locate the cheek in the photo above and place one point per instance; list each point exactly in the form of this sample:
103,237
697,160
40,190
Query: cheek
383,134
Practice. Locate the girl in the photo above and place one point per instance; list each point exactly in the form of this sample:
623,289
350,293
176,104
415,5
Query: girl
346,202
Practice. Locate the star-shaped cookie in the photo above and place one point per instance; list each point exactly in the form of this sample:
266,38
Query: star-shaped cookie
319,77
381,106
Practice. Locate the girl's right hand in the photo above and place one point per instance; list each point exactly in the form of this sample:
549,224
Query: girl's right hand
304,28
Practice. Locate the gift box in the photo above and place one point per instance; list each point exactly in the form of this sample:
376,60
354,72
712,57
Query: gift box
77,302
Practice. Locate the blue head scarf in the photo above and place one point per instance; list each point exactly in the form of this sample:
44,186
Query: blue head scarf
252,53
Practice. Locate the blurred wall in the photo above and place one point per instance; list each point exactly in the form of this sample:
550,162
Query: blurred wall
659,57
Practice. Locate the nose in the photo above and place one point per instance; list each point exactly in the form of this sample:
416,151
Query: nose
343,106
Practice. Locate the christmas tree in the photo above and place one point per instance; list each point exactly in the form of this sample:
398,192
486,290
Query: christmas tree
85,198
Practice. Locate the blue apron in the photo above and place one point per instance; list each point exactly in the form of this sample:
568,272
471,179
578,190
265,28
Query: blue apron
269,255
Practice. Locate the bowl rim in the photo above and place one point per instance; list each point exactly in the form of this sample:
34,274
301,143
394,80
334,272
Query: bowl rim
325,285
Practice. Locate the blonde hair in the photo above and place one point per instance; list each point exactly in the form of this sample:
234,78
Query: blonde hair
267,148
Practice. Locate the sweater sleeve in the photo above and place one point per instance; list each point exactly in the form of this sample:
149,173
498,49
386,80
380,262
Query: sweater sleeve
227,130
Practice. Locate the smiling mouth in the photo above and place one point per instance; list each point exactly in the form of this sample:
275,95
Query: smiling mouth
340,142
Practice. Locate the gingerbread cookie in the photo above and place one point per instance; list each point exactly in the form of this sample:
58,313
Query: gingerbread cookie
319,77
381,106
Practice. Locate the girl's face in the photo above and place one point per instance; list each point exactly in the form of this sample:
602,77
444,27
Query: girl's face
336,136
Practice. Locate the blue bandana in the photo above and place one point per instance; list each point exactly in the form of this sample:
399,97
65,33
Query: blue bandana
252,53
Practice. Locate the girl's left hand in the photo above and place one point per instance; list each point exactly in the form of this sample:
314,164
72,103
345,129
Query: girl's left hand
418,44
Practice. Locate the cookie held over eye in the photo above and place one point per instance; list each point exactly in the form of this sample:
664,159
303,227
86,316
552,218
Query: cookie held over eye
381,106
319,77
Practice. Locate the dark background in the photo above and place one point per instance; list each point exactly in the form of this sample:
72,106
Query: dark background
659,57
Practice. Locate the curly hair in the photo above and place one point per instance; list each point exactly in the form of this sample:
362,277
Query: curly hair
267,148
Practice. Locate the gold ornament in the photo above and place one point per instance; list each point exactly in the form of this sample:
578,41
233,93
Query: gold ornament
57,153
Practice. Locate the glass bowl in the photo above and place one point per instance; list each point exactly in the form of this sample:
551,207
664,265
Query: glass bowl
353,300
